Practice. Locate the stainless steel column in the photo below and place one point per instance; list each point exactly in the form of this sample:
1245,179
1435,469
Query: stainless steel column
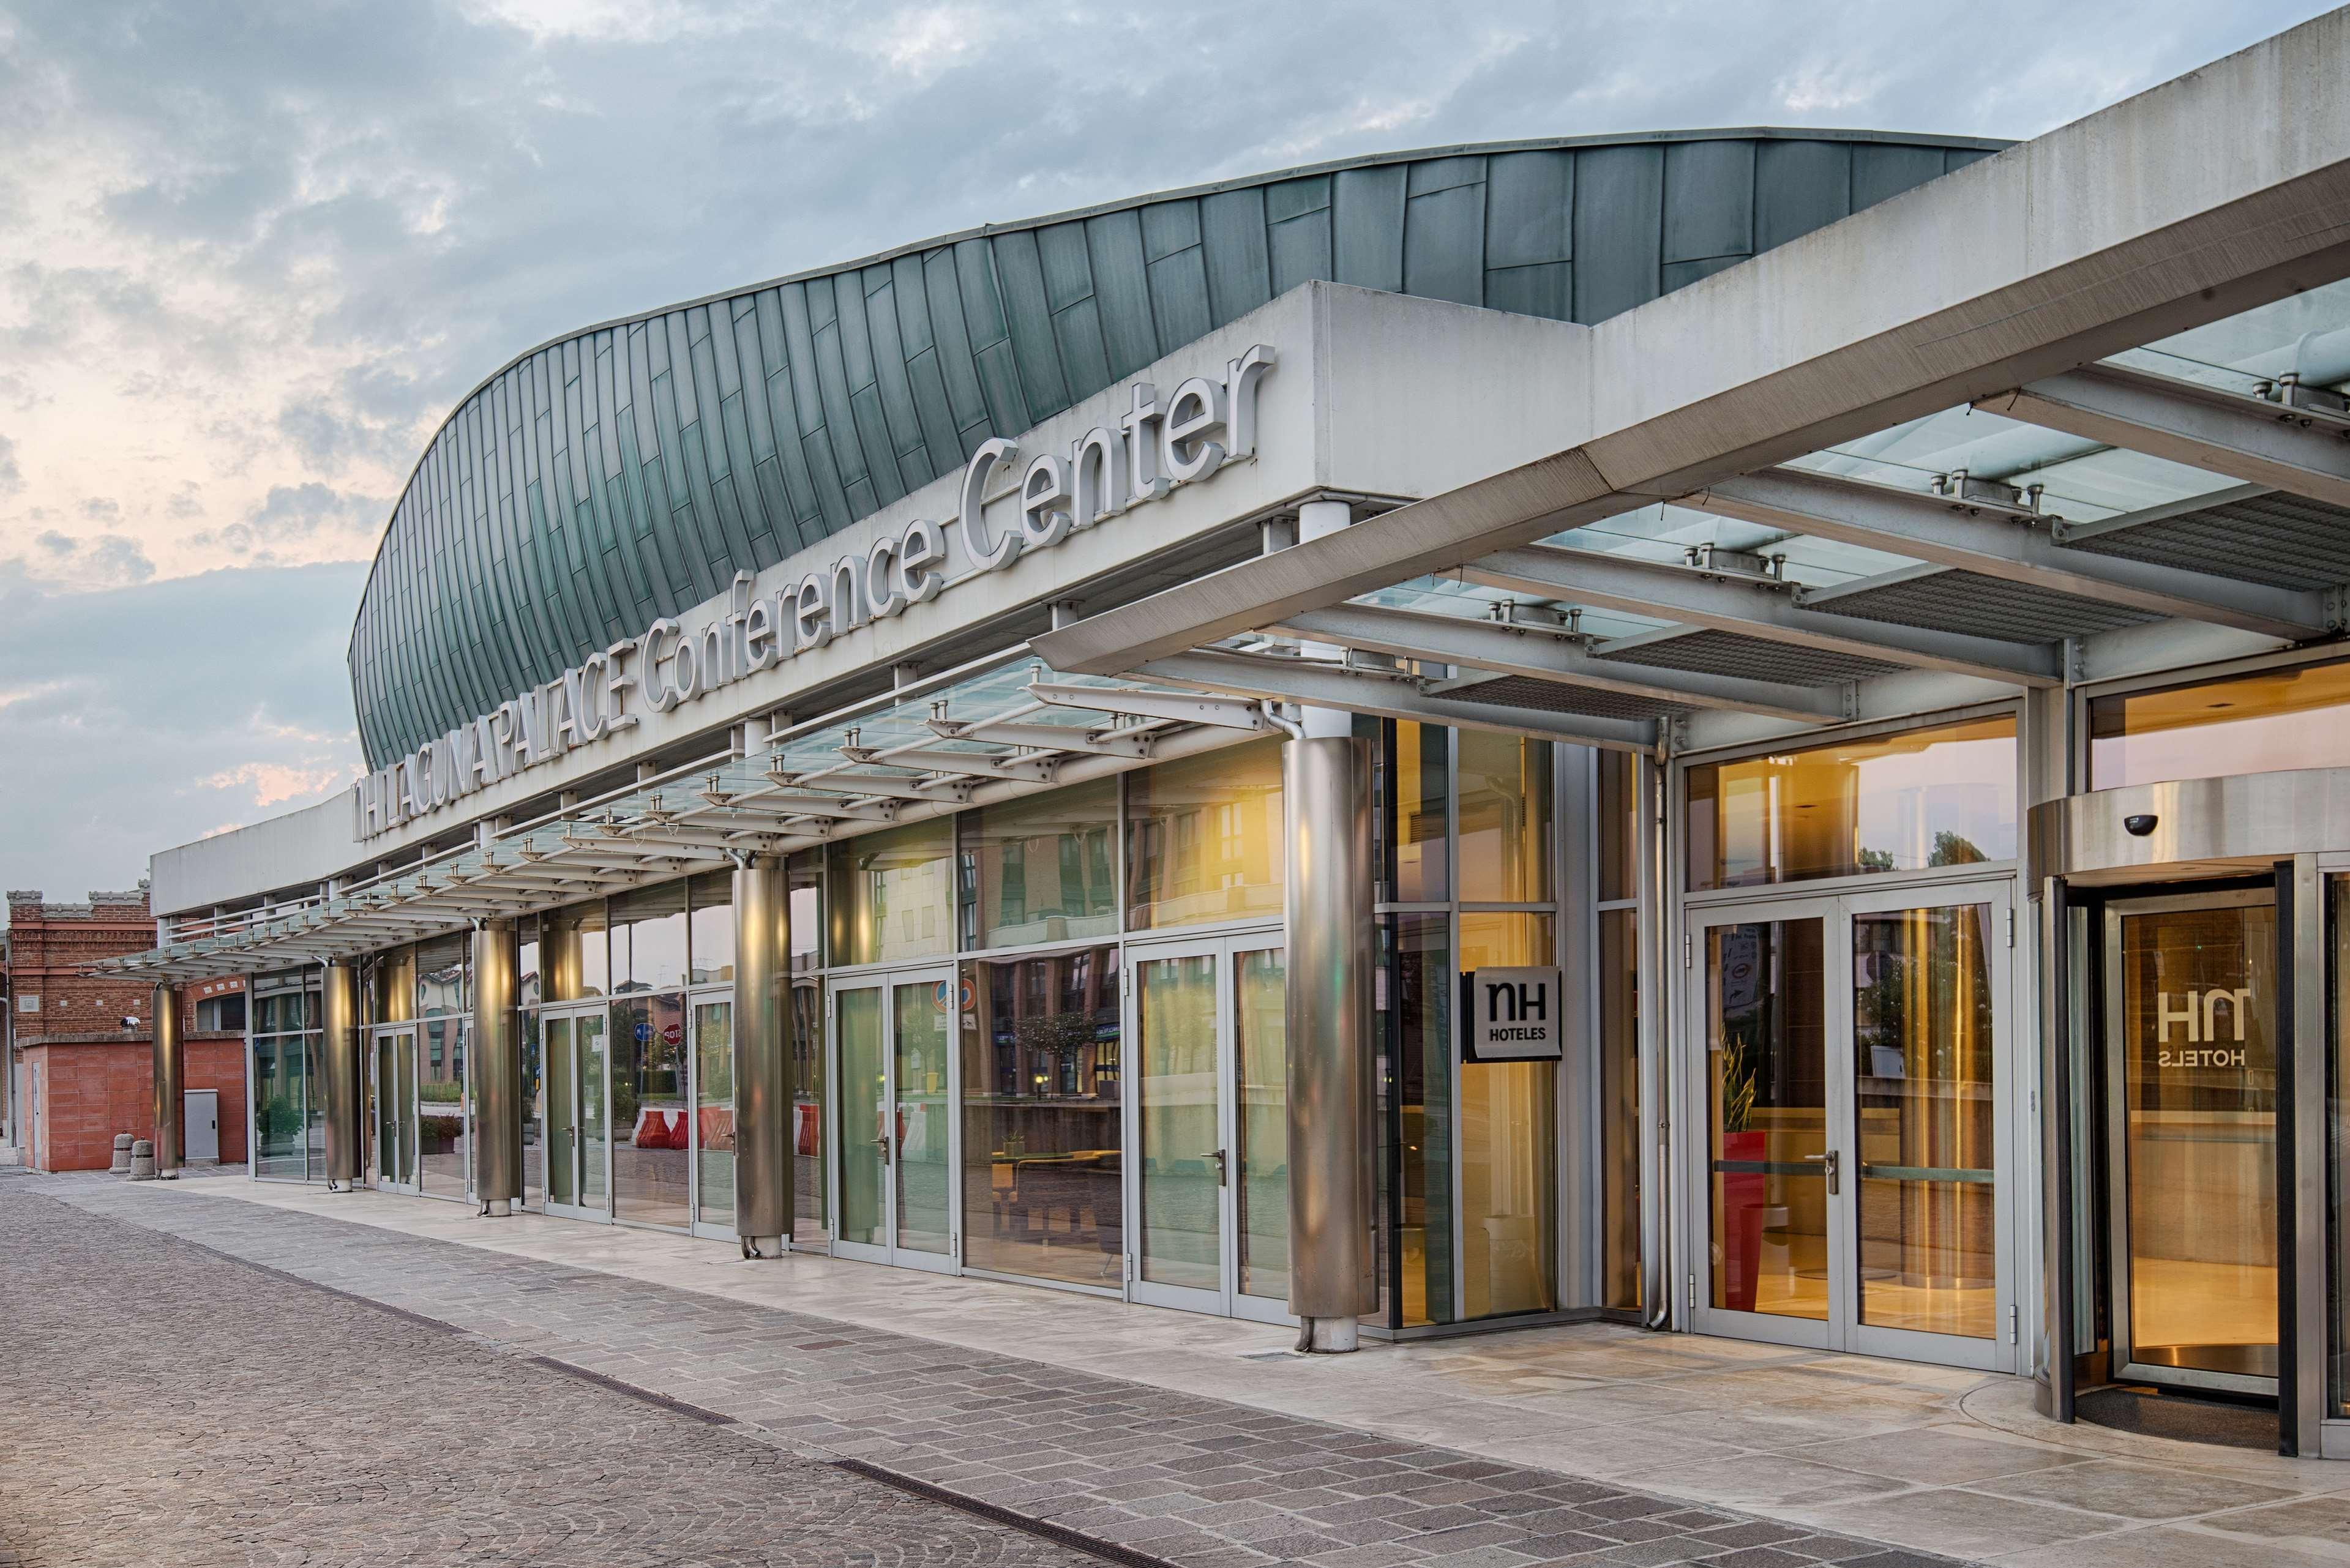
1333,1267
171,1081
338,1047
497,1067
763,1200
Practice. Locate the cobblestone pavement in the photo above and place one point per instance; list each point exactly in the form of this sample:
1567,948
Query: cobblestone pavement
1188,1481
169,1406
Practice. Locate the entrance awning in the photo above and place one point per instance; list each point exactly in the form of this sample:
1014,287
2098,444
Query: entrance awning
970,737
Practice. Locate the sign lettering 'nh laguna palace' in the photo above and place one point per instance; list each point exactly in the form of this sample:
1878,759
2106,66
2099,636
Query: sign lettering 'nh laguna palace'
1155,447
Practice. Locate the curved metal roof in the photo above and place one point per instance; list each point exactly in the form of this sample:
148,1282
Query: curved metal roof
628,471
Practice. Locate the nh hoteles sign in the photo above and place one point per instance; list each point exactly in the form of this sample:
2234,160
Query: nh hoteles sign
1516,1014
1153,447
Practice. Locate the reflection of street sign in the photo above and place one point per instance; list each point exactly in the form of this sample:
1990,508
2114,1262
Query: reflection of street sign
969,993
644,1031
672,1033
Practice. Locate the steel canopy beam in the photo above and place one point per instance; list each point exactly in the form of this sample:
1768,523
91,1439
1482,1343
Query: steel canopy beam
1751,608
1320,686
2203,427
1540,656
1946,533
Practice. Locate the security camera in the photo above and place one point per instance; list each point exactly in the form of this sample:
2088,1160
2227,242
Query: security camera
129,1021
2139,826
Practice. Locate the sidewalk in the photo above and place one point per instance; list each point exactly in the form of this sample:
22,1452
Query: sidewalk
1206,1442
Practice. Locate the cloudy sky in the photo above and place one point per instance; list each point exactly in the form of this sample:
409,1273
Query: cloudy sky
251,252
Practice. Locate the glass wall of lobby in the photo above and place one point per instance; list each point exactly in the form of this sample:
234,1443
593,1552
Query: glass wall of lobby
1043,1039
1847,1044
286,1131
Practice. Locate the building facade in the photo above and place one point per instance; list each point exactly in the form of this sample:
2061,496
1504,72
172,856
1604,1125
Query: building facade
1738,729
80,1057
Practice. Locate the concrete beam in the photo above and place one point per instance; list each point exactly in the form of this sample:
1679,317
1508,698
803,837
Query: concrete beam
1541,656
1946,533
2202,427
1751,608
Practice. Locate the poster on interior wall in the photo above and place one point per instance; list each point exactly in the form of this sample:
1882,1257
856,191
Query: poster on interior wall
1516,1014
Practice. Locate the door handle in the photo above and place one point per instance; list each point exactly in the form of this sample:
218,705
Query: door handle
1832,1162
1218,1156
883,1145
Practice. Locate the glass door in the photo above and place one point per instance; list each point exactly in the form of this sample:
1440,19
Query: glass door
1855,1118
579,1151
2190,1020
713,1114
896,1134
391,1090
1209,1191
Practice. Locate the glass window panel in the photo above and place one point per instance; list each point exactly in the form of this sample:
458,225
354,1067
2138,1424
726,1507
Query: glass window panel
1042,867
2337,1172
278,1096
891,894
1902,802
1422,1212
1766,1054
528,990
1260,1032
314,1119
865,1120
1509,1147
1505,817
597,1092
1203,838
923,1015
648,940
1619,1107
1041,1081
714,1112
1619,827
392,988
713,896
404,1053
651,1135
1923,1075
804,874
534,1113
441,977
575,959
2265,721
441,1104
1182,1219
2198,1069
809,1224
1421,802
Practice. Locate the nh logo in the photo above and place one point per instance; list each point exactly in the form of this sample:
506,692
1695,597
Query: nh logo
1517,1002
2199,1011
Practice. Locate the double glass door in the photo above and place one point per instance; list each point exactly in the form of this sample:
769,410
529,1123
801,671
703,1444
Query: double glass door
897,1075
1210,1126
391,1096
578,1078
1854,1103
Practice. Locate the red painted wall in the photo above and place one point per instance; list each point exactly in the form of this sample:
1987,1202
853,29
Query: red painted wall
92,1090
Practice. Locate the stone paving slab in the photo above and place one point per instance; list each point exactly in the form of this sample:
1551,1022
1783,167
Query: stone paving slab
1193,1481
168,1405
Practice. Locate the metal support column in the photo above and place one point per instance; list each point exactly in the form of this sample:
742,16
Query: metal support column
763,1200
497,1066
1326,781
171,1081
338,1047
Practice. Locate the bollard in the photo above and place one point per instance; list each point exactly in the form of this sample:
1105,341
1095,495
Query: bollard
142,1161
122,1166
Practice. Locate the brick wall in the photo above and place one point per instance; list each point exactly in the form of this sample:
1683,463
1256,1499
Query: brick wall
48,944
93,1089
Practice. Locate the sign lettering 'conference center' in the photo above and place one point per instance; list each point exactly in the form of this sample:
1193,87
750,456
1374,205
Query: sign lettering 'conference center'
1154,446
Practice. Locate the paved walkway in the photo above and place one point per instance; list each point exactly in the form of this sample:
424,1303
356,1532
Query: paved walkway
953,1380
169,1405
1180,1478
